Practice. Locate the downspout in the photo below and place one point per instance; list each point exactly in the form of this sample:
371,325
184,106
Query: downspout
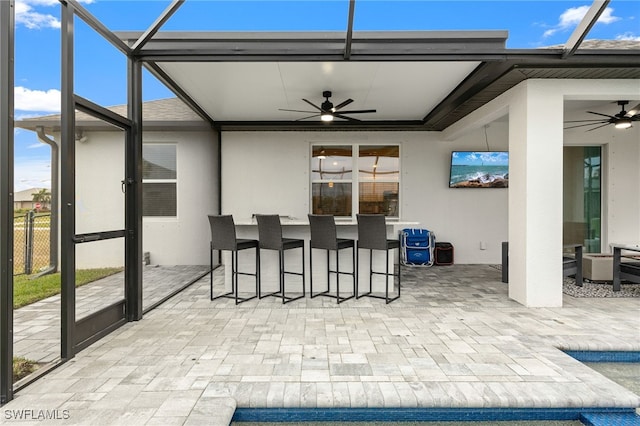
53,233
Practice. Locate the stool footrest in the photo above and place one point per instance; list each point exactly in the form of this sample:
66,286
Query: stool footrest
287,299
340,299
231,295
376,296
262,296
222,295
252,274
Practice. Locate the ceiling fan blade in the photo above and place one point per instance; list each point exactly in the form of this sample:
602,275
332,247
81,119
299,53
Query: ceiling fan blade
634,111
315,106
584,121
342,105
588,124
604,115
358,111
344,117
595,128
294,110
311,116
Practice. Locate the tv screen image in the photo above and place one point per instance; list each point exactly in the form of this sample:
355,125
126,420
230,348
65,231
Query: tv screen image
479,169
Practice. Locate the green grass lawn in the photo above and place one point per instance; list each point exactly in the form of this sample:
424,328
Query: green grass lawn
27,290
22,367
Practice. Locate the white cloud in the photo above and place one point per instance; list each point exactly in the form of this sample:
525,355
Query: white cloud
572,17
37,100
32,173
31,19
607,17
19,117
629,36
27,15
37,146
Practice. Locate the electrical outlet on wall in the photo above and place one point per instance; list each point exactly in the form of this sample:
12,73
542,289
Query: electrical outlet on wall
483,245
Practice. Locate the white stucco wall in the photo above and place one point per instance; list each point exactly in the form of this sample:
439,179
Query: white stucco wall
183,240
622,198
268,172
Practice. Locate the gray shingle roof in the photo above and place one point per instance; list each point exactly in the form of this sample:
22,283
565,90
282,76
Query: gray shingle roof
159,113
604,44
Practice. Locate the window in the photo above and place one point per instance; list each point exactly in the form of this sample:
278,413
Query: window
379,179
332,180
159,180
334,186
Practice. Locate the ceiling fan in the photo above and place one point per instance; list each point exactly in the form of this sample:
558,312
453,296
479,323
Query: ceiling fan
621,120
327,111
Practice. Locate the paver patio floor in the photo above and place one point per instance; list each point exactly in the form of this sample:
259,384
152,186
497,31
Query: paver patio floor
454,339
36,327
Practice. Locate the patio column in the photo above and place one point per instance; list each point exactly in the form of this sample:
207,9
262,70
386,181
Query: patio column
6,199
535,195
133,269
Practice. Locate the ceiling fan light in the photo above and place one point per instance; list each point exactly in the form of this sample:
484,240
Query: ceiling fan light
326,117
623,123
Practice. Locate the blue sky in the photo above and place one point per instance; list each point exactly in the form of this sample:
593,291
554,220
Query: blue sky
101,74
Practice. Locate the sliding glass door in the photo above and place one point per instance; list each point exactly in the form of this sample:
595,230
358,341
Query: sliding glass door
582,209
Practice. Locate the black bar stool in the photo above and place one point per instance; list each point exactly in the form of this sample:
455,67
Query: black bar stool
324,236
223,237
372,235
270,238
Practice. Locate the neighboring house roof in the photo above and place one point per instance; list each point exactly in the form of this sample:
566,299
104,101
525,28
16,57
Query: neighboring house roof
27,194
604,44
162,114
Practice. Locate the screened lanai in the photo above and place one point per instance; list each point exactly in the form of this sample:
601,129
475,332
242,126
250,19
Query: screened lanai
431,91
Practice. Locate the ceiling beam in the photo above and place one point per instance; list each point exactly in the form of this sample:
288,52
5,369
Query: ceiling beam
179,92
100,112
485,74
94,23
583,28
396,125
347,47
155,27
396,45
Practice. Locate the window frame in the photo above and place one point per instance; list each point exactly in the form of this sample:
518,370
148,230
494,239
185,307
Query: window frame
355,174
163,180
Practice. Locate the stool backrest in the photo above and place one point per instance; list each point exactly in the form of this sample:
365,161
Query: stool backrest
269,231
223,232
372,231
323,231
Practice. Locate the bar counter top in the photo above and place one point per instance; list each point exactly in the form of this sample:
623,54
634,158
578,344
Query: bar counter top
292,221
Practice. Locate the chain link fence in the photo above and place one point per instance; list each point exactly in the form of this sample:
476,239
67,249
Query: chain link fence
31,242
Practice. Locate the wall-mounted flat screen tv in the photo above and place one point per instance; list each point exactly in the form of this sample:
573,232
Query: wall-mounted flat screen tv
479,169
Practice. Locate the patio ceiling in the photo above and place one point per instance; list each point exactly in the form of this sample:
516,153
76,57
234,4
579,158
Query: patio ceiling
240,91
423,80
419,80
